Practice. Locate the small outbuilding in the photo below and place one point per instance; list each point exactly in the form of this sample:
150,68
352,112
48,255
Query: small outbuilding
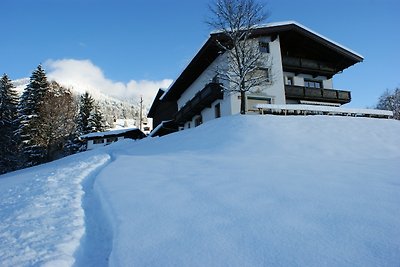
99,139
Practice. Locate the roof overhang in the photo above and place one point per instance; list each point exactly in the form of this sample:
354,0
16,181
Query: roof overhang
110,133
155,103
286,31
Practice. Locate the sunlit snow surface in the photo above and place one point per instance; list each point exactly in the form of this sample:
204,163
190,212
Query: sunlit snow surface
41,219
237,191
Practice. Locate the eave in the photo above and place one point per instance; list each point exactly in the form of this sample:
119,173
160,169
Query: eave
343,56
155,103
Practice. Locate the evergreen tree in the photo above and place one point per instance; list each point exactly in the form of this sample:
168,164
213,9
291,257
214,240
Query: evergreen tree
29,109
86,107
96,120
8,125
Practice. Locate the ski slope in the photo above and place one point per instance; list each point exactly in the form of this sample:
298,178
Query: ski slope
237,191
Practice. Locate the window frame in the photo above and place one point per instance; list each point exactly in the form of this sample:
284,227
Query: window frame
111,139
98,141
309,83
289,80
198,121
264,46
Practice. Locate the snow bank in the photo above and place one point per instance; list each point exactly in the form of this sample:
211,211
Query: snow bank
41,218
236,191
259,191
328,109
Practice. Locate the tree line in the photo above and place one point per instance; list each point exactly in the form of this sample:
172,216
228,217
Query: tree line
44,123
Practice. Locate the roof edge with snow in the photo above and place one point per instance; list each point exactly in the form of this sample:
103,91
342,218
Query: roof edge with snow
210,51
109,133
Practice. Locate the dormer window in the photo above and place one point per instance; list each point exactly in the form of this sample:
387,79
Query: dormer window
263,46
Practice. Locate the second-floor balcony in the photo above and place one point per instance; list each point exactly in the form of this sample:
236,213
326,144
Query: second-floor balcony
317,94
202,99
309,66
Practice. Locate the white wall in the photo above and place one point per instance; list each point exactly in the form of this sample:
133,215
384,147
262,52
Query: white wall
231,103
90,145
275,90
298,79
205,78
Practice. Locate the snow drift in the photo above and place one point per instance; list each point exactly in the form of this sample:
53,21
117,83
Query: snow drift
236,191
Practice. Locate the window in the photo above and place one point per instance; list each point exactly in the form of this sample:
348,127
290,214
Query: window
198,121
260,74
289,80
98,141
263,46
312,84
217,109
112,139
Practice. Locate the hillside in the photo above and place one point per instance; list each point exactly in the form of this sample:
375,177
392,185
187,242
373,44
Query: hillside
110,107
237,191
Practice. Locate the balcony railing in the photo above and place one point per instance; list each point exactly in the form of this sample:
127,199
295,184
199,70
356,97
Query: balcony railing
202,99
307,66
317,94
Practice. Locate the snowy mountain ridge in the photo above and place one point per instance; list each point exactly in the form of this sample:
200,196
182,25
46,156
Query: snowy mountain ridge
110,106
235,191
21,84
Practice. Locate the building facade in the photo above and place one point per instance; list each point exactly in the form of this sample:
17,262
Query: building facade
100,139
299,66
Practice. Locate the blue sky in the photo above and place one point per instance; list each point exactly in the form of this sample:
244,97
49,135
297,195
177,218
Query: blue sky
141,45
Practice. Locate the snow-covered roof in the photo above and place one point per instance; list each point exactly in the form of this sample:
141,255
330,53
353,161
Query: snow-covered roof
210,50
292,22
284,23
108,133
159,127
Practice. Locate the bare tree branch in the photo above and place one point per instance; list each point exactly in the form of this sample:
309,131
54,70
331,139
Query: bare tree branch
234,21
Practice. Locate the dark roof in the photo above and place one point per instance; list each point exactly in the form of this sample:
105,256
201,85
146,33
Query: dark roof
155,103
164,128
112,133
291,33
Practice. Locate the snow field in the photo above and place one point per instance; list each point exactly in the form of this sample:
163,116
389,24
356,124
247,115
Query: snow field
236,191
41,218
259,191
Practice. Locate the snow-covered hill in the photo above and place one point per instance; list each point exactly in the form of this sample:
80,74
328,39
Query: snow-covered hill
237,191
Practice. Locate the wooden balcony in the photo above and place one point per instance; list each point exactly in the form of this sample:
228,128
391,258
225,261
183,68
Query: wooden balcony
201,100
314,67
317,94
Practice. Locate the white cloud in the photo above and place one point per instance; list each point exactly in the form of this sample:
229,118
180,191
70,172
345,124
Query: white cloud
83,76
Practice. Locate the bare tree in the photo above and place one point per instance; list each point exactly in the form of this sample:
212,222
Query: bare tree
390,100
235,22
58,115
